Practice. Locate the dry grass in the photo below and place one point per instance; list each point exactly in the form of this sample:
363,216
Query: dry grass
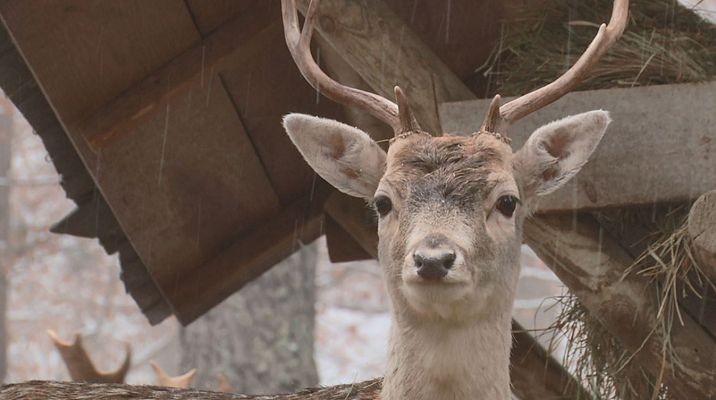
663,43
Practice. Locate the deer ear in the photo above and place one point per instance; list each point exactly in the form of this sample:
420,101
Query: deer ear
344,156
555,152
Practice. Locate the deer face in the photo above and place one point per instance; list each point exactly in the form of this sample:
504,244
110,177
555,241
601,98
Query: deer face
450,208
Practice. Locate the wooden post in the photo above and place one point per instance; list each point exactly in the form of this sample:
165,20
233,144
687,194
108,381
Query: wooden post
702,231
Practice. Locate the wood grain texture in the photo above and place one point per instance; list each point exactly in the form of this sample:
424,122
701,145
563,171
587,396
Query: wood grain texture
248,256
660,147
197,65
88,52
368,33
177,185
22,89
537,375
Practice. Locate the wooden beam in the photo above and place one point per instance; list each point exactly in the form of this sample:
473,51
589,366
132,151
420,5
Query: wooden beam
196,65
368,33
249,257
659,148
694,377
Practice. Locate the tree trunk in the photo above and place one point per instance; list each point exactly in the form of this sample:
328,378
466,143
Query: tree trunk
5,155
261,338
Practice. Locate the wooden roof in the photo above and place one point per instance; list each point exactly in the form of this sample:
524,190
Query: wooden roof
172,109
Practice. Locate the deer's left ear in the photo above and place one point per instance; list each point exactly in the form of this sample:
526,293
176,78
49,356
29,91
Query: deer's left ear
344,156
555,152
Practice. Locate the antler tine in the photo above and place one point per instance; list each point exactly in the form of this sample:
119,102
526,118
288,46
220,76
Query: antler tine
299,44
224,385
81,367
492,116
605,38
164,379
408,123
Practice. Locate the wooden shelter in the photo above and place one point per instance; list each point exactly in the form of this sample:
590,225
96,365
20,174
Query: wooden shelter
163,119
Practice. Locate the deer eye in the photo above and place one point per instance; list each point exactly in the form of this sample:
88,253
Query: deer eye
382,205
507,204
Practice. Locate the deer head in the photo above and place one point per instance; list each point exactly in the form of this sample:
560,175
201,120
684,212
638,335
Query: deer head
450,208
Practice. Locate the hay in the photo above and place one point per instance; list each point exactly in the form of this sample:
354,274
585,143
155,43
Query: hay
663,43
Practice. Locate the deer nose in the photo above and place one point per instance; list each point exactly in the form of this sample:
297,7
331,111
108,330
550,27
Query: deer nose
434,257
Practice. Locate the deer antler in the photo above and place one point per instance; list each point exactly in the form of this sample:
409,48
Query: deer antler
533,101
80,366
224,385
299,44
181,381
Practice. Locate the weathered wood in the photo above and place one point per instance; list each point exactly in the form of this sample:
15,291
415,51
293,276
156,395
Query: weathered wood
32,390
537,375
23,90
195,65
660,147
362,226
592,265
367,32
89,52
248,257
702,231
341,245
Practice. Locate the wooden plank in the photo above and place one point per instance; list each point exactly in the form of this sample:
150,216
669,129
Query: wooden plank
25,94
362,226
264,87
196,65
248,257
661,146
177,186
87,52
536,375
369,33
341,245
211,15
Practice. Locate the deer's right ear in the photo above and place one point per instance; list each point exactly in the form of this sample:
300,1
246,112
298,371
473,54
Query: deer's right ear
344,156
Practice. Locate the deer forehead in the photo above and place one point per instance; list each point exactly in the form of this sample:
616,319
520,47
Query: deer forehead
453,167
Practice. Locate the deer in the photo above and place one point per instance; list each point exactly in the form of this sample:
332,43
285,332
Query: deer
450,211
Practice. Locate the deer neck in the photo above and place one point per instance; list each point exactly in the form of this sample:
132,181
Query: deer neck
433,360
